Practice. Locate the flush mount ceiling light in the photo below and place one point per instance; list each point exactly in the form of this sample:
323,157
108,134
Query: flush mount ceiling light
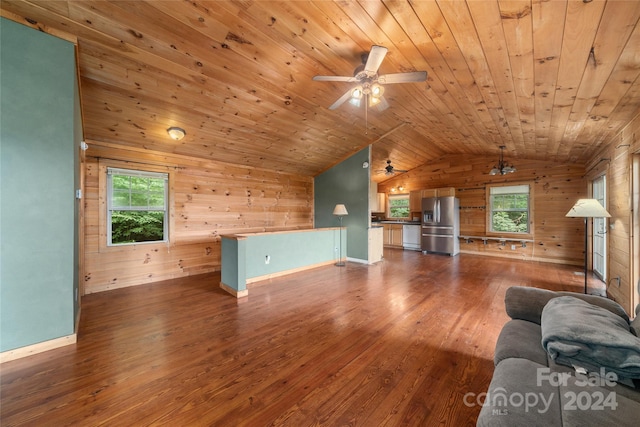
176,133
502,168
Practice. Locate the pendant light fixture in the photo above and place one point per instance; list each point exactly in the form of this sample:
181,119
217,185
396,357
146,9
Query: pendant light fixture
502,168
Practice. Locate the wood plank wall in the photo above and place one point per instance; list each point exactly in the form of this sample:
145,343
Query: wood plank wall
555,186
208,199
615,161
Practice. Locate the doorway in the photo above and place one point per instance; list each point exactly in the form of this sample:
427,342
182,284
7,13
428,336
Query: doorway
635,224
599,255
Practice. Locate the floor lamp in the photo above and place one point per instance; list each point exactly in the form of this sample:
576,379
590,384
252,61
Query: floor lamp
340,211
587,208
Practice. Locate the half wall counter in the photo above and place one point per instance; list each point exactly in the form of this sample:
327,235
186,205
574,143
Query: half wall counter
253,257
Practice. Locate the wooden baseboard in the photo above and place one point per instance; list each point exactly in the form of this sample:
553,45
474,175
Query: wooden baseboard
30,350
521,258
234,292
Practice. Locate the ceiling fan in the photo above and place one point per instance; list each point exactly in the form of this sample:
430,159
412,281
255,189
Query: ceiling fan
389,170
369,83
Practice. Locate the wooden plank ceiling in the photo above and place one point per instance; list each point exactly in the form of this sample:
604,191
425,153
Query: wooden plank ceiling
547,79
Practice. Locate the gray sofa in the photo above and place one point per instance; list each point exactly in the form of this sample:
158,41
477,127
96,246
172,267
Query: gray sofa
542,378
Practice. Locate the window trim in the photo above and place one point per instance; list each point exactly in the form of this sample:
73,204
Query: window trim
101,172
144,174
399,197
489,210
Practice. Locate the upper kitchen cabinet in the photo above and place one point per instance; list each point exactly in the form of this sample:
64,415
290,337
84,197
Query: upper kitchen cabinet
416,196
415,201
377,201
438,192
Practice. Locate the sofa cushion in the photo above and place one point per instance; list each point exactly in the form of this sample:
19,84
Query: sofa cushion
520,339
635,326
524,393
527,303
516,397
591,402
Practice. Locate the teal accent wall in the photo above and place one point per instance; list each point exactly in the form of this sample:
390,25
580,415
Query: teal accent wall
233,263
347,183
37,181
78,138
288,251
243,258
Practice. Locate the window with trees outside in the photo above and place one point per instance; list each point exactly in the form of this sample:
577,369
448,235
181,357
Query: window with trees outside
136,206
399,206
509,209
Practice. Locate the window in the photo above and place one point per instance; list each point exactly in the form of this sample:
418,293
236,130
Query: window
399,206
136,206
509,209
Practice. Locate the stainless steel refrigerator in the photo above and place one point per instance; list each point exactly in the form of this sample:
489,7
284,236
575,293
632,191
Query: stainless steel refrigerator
440,227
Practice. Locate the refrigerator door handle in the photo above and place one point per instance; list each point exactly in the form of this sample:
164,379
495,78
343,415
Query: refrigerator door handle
438,210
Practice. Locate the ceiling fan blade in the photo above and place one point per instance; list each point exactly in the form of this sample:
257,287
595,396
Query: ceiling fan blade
376,55
334,79
341,100
412,77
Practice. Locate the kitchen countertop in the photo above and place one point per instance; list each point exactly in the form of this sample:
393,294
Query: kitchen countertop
396,221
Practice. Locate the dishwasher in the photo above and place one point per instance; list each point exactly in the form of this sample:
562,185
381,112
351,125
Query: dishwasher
411,237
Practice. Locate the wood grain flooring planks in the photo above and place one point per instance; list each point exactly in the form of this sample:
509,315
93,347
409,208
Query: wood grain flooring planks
400,342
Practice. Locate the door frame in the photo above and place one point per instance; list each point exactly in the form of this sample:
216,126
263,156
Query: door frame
599,230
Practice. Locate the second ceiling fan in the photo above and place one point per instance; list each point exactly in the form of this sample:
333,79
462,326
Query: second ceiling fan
369,85
389,170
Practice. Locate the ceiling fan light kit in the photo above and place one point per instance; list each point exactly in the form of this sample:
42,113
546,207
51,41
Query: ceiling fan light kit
502,168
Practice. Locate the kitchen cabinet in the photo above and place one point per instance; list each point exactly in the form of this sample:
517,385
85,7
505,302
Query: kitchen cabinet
373,194
377,201
415,201
392,235
438,192
386,234
382,202
375,244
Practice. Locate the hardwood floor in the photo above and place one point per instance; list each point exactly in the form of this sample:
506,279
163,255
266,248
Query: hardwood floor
397,343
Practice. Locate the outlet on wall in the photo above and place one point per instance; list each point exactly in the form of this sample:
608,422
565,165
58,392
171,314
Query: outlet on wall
267,259
513,247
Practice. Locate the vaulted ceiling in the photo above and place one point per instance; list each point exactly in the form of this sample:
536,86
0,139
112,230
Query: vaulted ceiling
549,80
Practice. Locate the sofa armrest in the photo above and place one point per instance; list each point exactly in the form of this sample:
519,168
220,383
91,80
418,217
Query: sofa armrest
527,303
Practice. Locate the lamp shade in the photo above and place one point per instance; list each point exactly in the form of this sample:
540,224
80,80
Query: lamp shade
340,210
588,208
